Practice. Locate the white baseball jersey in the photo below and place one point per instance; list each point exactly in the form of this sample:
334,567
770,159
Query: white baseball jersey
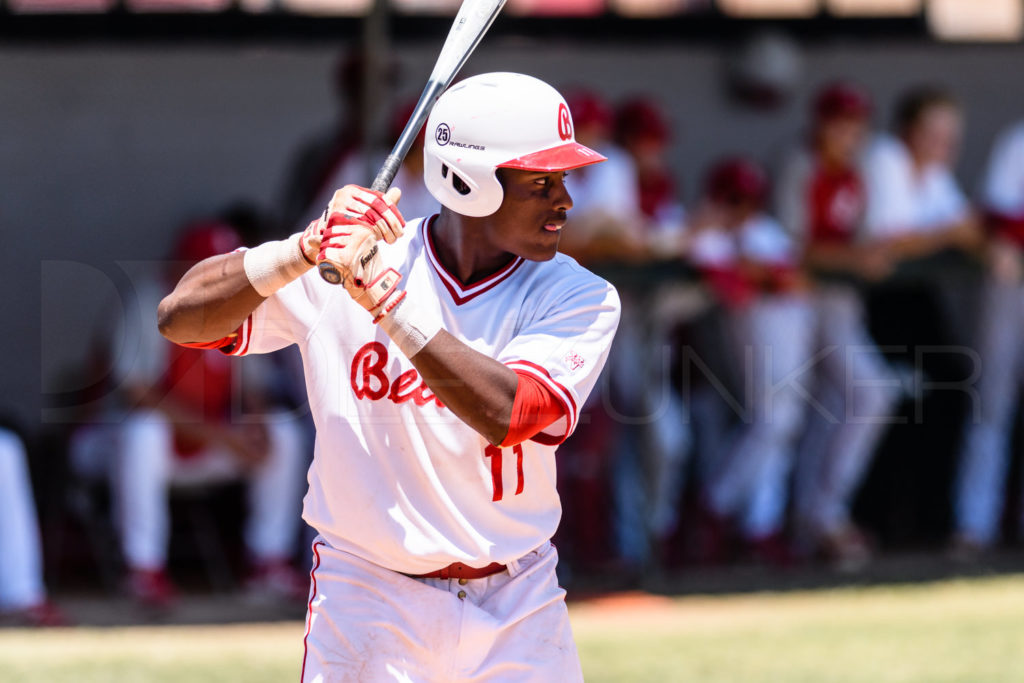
396,478
901,201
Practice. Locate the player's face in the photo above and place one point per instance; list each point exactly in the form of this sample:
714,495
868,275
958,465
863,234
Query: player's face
531,216
648,151
840,139
935,137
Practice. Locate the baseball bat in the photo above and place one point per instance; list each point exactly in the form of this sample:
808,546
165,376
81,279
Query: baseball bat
471,23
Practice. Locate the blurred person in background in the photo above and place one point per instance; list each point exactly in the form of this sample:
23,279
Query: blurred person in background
642,129
821,202
925,311
313,174
23,599
753,268
416,200
914,204
186,417
985,453
606,213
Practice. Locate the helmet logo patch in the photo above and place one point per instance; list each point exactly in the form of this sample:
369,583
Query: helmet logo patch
564,122
443,134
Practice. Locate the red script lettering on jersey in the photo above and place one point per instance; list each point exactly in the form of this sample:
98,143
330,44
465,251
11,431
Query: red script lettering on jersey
370,381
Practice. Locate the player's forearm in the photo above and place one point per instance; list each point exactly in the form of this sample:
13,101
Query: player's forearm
212,299
963,235
479,390
831,257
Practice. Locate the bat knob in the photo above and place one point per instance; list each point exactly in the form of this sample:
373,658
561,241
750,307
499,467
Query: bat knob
329,273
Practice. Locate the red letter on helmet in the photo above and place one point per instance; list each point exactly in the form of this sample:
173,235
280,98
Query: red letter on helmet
564,122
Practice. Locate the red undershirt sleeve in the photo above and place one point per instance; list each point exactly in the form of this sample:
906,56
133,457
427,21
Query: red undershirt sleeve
534,408
226,345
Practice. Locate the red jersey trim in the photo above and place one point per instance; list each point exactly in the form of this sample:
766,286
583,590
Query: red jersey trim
560,392
309,608
461,293
244,333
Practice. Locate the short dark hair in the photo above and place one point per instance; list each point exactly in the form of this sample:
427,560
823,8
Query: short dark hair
915,102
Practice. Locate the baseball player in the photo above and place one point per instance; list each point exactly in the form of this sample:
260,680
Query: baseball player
752,265
821,202
985,453
22,592
316,162
184,417
914,203
441,376
643,130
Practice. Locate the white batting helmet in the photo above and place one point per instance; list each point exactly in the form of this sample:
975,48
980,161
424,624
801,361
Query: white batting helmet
492,121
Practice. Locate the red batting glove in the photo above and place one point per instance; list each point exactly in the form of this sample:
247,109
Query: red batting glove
378,210
351,246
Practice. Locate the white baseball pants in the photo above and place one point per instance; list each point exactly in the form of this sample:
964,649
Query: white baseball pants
985,453
772,339
367,624
855,393
21,559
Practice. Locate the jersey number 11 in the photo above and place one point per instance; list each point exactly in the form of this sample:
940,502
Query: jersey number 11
494,453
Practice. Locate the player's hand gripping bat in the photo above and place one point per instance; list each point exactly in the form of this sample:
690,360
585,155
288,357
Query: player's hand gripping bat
468,29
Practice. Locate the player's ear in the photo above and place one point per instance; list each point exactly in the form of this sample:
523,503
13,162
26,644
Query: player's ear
501,174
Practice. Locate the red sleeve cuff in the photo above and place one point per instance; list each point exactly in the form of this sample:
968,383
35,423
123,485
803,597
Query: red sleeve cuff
234,344
534,408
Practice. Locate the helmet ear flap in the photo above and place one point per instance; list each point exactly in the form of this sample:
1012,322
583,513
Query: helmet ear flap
462,187
458,184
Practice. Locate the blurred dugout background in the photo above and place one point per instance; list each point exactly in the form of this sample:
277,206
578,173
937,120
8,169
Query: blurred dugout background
124,120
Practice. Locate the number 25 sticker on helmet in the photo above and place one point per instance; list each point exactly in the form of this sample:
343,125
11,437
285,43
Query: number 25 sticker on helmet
492,121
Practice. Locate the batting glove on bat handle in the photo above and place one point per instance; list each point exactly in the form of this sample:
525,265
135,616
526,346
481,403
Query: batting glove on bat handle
330,273
352,247
376,208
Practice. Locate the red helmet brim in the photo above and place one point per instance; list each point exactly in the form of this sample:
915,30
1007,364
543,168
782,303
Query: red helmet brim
561,158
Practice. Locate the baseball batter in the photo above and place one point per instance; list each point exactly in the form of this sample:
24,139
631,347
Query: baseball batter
441,376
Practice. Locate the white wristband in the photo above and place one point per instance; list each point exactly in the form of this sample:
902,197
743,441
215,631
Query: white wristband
272,265
410,327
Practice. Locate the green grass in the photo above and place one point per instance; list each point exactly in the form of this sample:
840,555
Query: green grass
971,631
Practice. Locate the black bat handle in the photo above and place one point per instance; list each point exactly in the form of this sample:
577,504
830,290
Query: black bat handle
328,271
387,173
